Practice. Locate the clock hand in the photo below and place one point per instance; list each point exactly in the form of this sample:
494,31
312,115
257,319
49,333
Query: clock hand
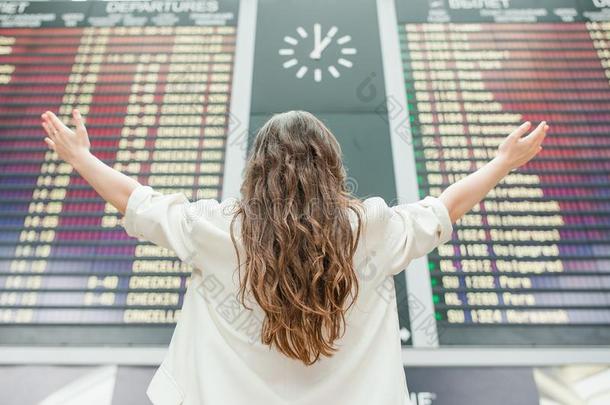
321,45
317,51
316,39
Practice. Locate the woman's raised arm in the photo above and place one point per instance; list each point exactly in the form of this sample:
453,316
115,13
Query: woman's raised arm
73,147
514,151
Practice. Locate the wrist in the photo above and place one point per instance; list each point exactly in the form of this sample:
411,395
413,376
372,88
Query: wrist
502,165
80,158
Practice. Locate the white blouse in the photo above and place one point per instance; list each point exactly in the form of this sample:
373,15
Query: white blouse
215,356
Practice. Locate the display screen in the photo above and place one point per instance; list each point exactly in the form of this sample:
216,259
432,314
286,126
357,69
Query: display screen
153,79
536,251
155,98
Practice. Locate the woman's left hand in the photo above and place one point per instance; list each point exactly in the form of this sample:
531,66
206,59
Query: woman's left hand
70,145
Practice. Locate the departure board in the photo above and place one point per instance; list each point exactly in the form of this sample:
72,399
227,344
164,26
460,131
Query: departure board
530,264
153,83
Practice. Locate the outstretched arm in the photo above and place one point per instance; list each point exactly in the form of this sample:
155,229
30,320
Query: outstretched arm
73,147
515,150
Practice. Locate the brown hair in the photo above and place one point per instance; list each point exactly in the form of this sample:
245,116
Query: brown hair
297,236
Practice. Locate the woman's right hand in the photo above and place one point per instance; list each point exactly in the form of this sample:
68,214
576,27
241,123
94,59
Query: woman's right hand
516,150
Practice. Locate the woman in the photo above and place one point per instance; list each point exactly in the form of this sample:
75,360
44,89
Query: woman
291,298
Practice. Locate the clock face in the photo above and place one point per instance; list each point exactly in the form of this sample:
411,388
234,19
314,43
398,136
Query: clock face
319,53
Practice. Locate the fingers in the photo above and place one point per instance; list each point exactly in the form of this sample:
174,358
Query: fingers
50,143
537,136
53,121
522,130
544,131
78,120
50,131
50,126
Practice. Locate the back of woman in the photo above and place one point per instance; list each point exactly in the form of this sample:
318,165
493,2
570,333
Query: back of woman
291,300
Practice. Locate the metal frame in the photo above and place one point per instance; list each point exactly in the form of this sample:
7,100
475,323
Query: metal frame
444,357
237,137
421,313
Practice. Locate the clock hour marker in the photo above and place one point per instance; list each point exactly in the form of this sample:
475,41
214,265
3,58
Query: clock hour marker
344,40
333,71
290,40
302,32
317,75
345,62
301,72
348,51
290,63
286,52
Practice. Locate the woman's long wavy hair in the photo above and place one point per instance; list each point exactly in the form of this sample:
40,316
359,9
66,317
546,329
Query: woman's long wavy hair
297,236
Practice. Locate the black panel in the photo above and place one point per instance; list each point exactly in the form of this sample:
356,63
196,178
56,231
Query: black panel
276,88
352,104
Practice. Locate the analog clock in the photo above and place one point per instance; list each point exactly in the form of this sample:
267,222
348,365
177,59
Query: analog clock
319,53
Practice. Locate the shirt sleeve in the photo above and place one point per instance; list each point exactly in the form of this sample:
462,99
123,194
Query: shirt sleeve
415,229
161,219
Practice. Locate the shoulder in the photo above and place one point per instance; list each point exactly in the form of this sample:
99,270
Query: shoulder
374,212
210,208
376,208
428,211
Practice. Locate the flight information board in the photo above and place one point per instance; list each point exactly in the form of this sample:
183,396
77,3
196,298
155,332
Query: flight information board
153,82
531,263
153,79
